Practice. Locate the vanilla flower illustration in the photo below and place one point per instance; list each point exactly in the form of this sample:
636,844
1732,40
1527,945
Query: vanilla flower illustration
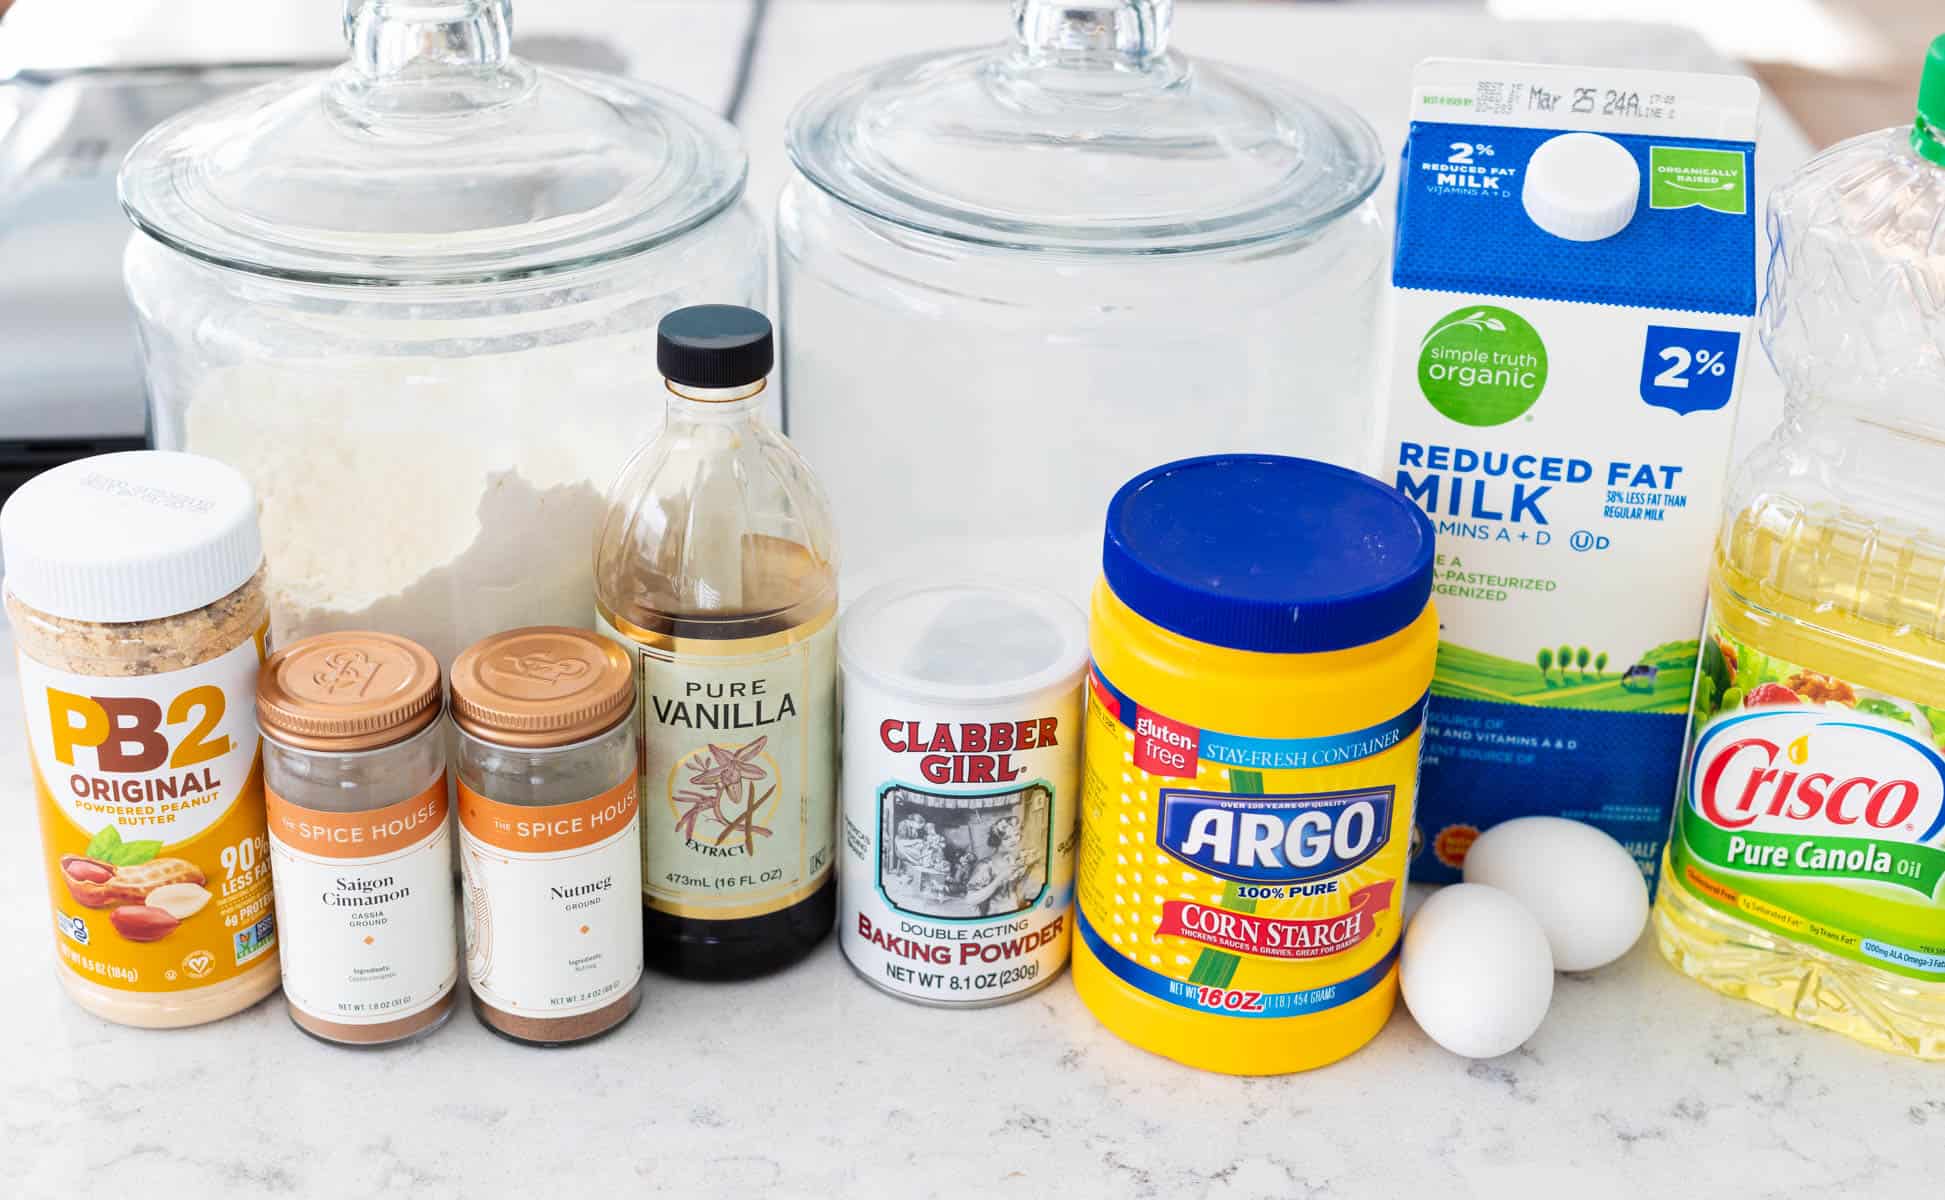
701,804
733,767
732,776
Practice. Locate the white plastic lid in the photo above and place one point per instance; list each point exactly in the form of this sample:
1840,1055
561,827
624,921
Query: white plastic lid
1581,186
134,536
964,642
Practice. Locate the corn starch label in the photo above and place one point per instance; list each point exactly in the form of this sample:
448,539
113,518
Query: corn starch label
1815,808
739,789
1254,877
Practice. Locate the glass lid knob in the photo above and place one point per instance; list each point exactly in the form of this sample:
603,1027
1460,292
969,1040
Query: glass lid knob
1083,32
428,58
1084,132
433,155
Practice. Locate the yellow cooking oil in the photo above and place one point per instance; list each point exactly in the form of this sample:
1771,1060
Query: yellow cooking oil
1806,864
1804,873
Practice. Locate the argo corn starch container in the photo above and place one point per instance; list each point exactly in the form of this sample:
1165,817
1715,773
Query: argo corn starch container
1263,643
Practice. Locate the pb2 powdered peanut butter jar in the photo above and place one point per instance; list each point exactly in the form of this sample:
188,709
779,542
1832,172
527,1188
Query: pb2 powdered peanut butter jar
355,775
135,592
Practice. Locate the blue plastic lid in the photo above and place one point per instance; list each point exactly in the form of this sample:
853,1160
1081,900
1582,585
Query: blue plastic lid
1264,552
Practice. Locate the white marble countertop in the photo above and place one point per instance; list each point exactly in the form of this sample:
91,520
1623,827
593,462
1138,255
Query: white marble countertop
814,1084
811,1083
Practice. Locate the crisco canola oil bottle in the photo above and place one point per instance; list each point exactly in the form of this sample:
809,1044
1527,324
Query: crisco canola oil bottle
1804,870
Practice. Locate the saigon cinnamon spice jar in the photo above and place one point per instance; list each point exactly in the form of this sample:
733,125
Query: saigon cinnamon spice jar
361,857
550,843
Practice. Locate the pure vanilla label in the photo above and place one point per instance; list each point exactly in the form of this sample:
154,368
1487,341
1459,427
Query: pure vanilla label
552,899
739,792
365,900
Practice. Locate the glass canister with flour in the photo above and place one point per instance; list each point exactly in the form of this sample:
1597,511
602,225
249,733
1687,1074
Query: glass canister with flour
414,298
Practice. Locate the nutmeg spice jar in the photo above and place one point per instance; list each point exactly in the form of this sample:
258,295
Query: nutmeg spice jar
550,841
355,784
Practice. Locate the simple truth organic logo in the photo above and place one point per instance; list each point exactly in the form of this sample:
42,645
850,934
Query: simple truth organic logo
1482,365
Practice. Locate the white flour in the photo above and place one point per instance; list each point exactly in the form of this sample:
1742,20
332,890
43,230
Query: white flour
440,499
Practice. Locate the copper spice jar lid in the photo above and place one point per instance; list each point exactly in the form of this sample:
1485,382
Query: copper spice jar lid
543,686
348,691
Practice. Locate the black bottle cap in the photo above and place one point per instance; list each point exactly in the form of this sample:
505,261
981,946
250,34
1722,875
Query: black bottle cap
715,346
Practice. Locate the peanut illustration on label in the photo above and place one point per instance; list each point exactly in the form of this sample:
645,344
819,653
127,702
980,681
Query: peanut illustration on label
126,877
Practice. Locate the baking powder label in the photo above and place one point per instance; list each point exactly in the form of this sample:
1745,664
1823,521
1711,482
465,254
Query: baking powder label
365,903
552,901
739,786
958,858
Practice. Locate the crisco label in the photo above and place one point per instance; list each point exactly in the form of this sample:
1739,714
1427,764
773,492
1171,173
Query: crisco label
1800,773
1258,877
739,786
152,820
1815,808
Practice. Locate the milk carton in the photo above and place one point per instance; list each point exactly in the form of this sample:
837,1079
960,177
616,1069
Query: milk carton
1574,286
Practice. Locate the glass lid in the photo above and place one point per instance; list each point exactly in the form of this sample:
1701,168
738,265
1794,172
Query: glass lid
432,156
1085,132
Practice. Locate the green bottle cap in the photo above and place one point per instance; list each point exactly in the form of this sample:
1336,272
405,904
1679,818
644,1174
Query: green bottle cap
1928,130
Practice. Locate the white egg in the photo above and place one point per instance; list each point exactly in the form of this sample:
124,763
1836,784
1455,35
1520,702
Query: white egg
1475,971
1584,886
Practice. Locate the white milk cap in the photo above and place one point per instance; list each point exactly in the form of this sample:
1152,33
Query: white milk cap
134,536
1581,186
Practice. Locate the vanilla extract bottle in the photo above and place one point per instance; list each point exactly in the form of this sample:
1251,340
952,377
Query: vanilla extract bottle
716,566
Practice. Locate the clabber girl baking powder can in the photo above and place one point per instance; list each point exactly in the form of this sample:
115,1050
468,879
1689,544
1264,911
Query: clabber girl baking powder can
962,711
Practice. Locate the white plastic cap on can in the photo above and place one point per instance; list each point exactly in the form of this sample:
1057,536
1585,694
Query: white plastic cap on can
1581,186
134,536
963,642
